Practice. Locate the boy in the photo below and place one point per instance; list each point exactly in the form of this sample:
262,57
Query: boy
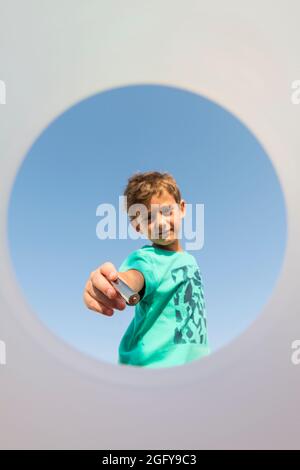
169,327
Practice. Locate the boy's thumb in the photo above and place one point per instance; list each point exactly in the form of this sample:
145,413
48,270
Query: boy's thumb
113,275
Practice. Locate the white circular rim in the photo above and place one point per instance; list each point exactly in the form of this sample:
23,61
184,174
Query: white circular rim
95,368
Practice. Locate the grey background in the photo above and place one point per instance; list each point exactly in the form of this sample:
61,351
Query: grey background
242,55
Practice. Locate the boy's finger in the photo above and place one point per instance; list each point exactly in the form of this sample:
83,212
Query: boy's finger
99,281
94,305
109,271
118,302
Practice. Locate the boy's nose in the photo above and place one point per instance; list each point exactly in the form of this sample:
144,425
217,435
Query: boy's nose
160,218
163,227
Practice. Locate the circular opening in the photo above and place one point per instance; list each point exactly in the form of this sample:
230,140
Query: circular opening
83,160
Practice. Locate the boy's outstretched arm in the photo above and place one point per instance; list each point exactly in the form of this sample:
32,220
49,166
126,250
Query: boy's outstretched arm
100,295
133,278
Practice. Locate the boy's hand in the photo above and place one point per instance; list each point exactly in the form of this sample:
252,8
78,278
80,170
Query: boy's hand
99,294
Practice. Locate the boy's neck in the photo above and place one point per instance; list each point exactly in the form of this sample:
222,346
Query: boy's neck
174,246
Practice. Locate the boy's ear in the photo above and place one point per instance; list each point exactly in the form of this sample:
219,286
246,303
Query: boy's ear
183,207
133,222
135,225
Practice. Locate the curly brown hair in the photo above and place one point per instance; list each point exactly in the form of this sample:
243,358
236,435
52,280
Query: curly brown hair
141,186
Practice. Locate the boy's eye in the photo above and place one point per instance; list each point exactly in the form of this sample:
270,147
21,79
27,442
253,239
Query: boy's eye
167,210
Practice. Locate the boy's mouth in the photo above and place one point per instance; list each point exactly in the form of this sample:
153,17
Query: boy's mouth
165,234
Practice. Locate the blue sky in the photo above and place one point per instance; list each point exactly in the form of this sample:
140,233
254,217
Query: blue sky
84,159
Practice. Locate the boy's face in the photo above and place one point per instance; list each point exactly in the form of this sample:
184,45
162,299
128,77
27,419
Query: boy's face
161,222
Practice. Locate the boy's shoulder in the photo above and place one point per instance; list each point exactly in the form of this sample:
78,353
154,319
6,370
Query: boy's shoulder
141,257
143,251
153,254
162,256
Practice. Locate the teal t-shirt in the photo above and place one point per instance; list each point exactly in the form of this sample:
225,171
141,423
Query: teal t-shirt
169,327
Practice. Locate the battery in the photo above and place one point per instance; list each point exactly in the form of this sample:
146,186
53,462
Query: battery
130,296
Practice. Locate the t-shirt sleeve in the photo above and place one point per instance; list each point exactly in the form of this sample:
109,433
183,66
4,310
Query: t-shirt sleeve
144,264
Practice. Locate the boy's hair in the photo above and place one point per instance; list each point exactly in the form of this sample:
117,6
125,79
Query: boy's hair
142,186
